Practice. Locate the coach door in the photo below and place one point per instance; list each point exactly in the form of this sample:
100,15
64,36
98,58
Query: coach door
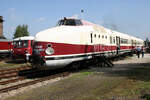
132,44
117,44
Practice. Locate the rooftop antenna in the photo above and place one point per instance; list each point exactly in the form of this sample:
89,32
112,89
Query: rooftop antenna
82,14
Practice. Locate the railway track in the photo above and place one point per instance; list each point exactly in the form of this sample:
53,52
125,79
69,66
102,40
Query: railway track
12,80
14,87
13,72
14,69
2,59
24,75
14,75
8,74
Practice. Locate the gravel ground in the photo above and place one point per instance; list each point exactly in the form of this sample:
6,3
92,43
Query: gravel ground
129,79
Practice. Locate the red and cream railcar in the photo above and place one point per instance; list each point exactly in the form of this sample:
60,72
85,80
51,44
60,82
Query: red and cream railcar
5,47
22,47
75,40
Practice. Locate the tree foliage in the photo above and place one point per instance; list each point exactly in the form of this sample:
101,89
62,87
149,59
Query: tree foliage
21,30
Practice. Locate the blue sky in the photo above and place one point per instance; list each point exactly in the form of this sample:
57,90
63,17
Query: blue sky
127,16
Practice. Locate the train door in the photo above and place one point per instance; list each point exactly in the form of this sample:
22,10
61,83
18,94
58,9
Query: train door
91,38
117,44
132,44
93,42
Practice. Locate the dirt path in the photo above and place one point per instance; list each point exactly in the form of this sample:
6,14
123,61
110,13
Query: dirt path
128,80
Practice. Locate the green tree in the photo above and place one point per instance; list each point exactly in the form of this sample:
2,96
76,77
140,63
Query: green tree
21,30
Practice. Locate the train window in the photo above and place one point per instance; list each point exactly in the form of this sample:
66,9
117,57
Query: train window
102,36
32,43
69,22
78,22
124,41
121,41
14,44
99,36
106,37
95,35
110,40
17,44
114,40
25,43
91,38
61,22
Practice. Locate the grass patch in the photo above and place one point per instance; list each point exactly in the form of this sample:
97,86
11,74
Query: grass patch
80,75
137,82
85,73
5,65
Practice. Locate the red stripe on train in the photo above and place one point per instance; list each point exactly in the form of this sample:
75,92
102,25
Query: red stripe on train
5,45
66,49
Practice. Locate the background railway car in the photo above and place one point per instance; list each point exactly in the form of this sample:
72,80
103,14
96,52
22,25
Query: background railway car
5,47
75,40
22,47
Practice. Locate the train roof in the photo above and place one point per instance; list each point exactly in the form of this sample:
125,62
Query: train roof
76,22
5,40
24,38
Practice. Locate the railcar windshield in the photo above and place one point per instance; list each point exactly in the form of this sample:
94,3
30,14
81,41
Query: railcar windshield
20,44
69,22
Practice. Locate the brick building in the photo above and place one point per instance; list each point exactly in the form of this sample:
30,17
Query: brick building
1,27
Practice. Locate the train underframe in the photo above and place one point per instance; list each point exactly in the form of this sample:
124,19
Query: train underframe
60,62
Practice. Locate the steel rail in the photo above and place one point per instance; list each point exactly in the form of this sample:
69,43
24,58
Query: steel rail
12,80
14,69
9,75
14,87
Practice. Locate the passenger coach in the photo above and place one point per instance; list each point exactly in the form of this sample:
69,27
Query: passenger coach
5,47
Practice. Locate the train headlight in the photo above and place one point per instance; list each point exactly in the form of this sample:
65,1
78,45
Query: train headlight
49,51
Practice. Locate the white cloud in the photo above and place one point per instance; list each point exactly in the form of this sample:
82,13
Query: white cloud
75,16
12,13
41,19
12,9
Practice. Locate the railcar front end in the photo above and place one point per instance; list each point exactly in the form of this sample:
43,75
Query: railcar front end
22,47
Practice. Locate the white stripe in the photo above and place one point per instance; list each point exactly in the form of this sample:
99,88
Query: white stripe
1,51
67,55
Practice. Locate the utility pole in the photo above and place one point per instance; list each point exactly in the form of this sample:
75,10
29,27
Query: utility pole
82,14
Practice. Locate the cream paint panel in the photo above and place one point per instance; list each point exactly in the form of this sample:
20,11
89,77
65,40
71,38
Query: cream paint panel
98,30
64,34
100,40
81,35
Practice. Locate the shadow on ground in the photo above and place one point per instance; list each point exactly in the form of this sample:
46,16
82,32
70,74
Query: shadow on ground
15,61
35,73
134,71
